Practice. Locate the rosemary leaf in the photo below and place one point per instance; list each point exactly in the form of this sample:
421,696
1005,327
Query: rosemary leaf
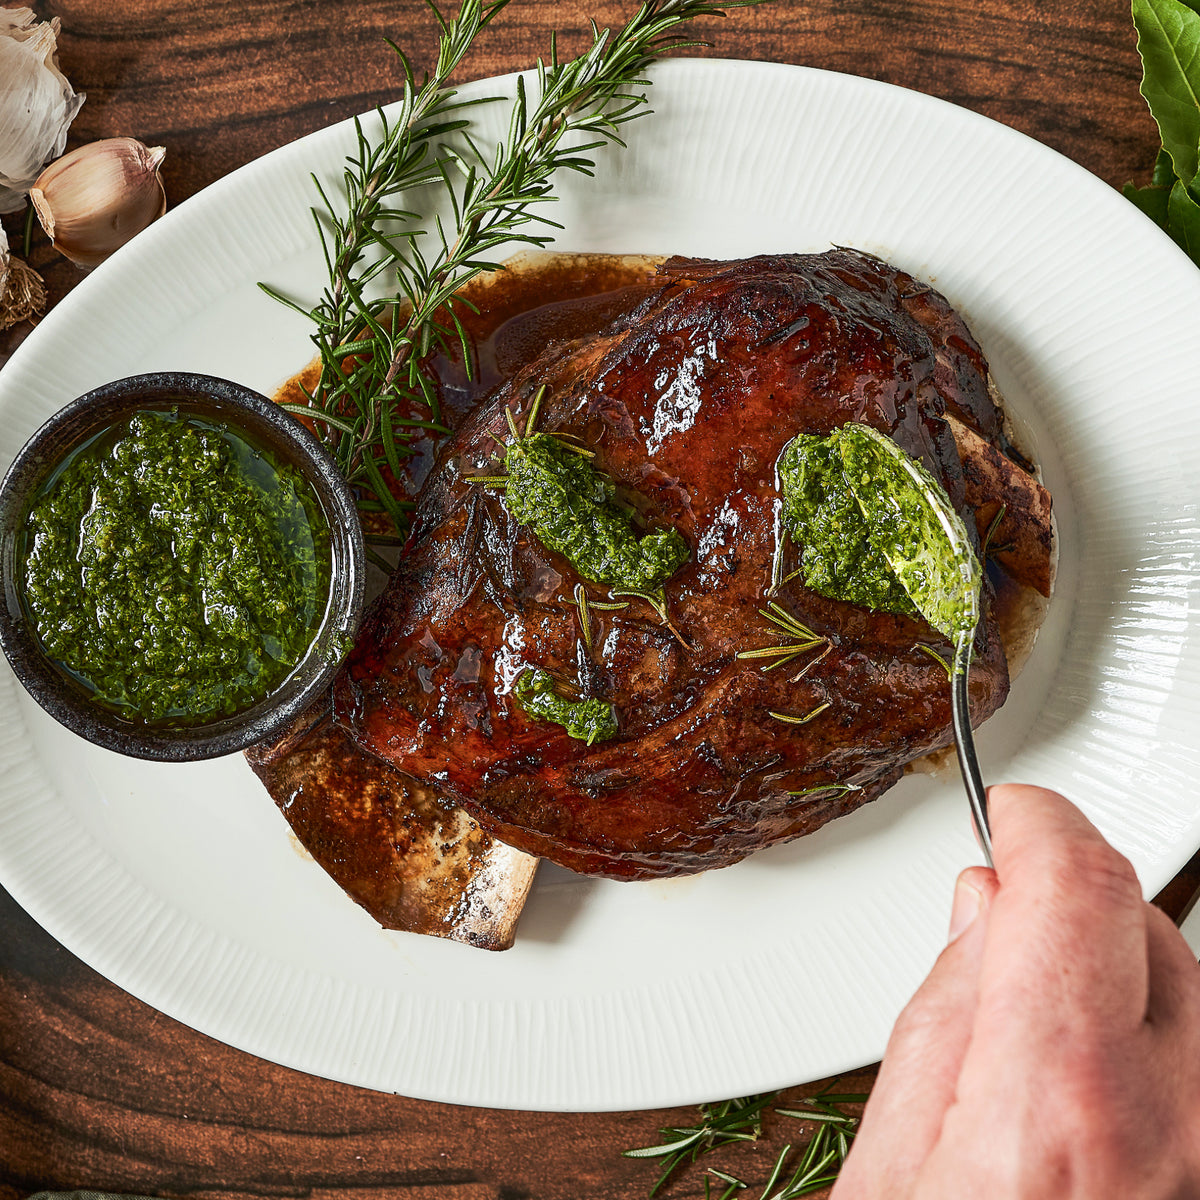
375,386
993,525
835,789
721,1123
793,719
822,1160
724,1176
927,649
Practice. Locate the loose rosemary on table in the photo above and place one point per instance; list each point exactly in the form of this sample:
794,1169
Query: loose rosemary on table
375,395
728,1121
720,1123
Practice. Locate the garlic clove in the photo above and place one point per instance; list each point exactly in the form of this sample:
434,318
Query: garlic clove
37,103
92,201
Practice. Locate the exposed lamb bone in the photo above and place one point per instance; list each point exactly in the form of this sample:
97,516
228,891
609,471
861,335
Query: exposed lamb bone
414,861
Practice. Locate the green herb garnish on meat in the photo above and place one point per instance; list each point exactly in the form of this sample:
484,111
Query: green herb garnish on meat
823,518
572,507
876,529
588,720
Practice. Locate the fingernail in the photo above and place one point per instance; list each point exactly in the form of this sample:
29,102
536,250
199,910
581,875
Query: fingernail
967,903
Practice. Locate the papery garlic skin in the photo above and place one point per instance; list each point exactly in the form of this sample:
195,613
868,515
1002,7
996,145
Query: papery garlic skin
22,289
37,102
92,201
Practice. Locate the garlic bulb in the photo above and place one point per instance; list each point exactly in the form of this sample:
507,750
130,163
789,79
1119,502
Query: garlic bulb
37,103
22,291
4,261
92,201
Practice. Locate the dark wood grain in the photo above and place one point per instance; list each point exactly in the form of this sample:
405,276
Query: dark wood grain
98,1090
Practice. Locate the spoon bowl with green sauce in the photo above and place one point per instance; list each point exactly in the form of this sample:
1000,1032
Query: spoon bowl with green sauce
878,530
182,564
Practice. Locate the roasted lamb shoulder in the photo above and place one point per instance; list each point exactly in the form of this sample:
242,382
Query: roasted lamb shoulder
686,405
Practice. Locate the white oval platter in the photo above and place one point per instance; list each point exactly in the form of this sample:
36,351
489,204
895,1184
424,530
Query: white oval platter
183,885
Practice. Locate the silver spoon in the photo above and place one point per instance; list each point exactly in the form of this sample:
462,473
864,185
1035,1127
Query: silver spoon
964,739
935,563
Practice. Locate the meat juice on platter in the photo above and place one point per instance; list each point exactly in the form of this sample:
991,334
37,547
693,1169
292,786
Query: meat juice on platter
532,696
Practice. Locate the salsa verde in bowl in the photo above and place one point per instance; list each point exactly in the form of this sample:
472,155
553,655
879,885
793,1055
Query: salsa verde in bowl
182,564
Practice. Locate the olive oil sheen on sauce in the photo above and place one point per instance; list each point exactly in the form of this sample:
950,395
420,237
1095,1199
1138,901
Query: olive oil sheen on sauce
174,569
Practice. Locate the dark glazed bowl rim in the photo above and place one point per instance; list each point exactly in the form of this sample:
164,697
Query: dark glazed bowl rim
247,411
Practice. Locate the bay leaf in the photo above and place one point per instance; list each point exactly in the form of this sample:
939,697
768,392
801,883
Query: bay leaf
1169,43
1151,200
1183,220
1164,170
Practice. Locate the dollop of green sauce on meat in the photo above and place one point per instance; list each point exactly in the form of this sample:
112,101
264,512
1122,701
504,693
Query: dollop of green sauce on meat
588,720
822,516
574,510
175,570
875,528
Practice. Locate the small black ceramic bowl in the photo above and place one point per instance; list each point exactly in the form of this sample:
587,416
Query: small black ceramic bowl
260,422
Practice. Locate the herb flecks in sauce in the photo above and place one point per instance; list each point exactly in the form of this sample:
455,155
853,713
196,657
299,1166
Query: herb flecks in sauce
823,518
915,527
573,509
587,720
876,529
175,570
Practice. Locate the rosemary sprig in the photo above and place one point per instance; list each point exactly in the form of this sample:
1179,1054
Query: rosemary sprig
589,95
793,719
720,1123
658,602
740,1121
368,429
822,1160
376,394
803,639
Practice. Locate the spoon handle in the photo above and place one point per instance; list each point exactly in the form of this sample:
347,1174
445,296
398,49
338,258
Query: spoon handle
965,742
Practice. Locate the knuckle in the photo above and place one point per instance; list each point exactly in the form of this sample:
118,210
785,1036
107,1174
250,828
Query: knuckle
918,1021
1099,872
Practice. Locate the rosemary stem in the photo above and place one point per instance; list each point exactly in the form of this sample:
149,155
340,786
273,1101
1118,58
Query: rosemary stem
375,351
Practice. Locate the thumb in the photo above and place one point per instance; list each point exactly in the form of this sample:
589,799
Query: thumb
919,1076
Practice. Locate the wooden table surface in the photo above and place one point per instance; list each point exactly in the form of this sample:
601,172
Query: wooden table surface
97,1089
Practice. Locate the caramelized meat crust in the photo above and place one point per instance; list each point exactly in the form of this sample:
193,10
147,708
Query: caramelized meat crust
686,404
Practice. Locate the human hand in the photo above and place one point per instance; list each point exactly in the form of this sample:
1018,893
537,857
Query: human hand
1054,1051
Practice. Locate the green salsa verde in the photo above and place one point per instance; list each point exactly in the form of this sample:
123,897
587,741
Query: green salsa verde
574,511
588,720
822,516
175,569
875,528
